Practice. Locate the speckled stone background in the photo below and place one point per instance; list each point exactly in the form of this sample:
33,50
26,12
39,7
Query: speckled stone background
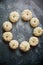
21,31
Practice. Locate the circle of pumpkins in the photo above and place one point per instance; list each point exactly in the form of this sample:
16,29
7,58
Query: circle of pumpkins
24,42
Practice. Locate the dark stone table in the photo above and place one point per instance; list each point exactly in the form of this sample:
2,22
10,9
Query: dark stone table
21,31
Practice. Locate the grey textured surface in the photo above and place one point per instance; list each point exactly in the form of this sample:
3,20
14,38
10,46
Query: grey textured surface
21,31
